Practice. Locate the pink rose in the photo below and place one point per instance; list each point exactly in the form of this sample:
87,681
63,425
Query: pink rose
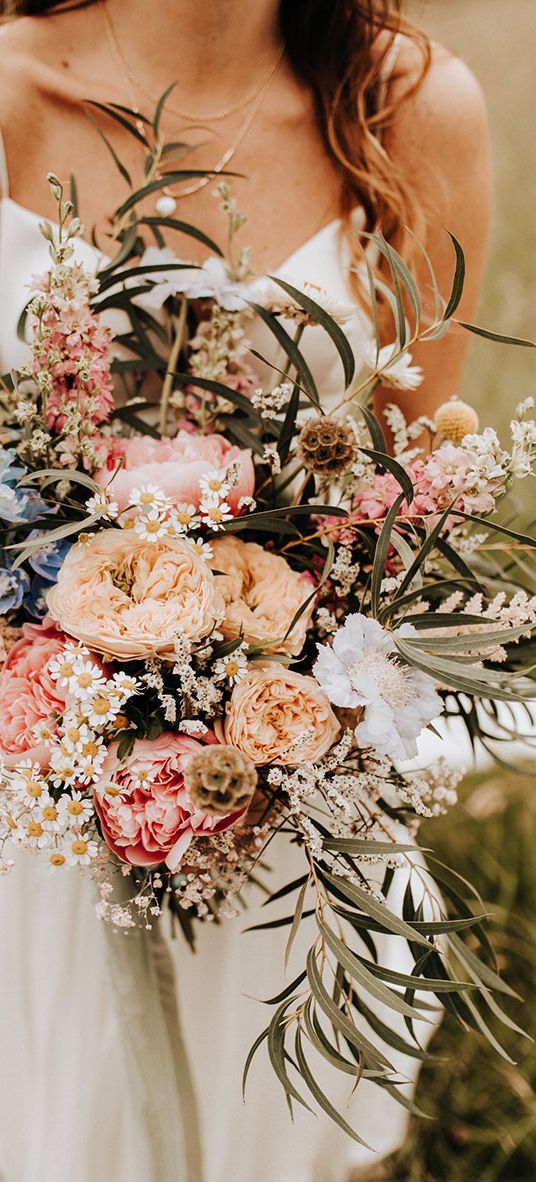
177,465
145,814
28,693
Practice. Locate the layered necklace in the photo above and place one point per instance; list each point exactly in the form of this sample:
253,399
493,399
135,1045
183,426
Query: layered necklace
167,203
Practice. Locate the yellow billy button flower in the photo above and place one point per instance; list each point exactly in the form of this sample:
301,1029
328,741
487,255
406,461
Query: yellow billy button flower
455,419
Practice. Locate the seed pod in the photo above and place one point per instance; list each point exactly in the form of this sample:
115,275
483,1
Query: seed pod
327,446
220,780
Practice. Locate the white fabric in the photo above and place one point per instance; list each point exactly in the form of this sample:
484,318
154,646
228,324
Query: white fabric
67,1110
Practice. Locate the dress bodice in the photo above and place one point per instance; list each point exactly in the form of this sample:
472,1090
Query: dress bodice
324,260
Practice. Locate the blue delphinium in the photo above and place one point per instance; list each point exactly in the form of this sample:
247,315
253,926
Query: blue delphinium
14,586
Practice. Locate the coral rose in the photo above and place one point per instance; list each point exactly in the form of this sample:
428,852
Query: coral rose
277,715
145,812
262,594
176,466
28,693
128,599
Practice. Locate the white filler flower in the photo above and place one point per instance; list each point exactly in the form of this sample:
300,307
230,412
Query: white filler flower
362,669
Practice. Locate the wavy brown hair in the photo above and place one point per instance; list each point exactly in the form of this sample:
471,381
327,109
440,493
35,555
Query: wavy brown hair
343,49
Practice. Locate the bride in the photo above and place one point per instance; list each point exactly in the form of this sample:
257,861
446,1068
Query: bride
335,115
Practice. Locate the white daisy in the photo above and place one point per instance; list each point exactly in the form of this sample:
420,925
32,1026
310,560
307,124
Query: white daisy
123,685
215,483
102,707
102,504
74,810
36,837
49,815
399,374
231,668
214,512
141,777
87,680
151,526
202,548
149,497
362,670
79,851
182,518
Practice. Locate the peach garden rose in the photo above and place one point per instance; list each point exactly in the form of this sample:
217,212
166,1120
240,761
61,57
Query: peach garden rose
262,594
176,466
277,715
130,600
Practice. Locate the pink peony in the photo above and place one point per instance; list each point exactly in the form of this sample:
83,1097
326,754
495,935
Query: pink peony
28,693
176,466
145,814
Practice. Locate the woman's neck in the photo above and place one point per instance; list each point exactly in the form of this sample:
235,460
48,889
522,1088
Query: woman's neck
208,46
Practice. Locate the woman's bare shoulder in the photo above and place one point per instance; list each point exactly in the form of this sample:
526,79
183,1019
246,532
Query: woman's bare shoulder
446,112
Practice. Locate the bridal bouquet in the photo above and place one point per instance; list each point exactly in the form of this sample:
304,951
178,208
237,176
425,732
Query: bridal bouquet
228,616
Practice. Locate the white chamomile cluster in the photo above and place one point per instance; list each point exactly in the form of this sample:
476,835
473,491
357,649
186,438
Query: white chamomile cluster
152,514
50,809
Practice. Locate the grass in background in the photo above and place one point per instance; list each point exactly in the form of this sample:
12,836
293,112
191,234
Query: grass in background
484,1108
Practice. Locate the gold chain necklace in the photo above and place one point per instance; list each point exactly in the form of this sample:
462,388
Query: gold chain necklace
208,117
167,203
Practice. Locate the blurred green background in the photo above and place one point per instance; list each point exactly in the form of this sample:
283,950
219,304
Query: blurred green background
484,1108
497,39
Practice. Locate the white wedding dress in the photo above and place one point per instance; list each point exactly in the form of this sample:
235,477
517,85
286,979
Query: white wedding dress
72,1105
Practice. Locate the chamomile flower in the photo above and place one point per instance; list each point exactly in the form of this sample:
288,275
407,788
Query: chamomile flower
182,519
27,780
141,777
49,816
79,851
215,483
74,810
202,548
86,680
102,504
44,732
123,685
214,512
231,668
36,837
64,771
151,526
149,497
102,707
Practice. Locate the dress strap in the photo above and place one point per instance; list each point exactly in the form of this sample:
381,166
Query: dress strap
4,175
